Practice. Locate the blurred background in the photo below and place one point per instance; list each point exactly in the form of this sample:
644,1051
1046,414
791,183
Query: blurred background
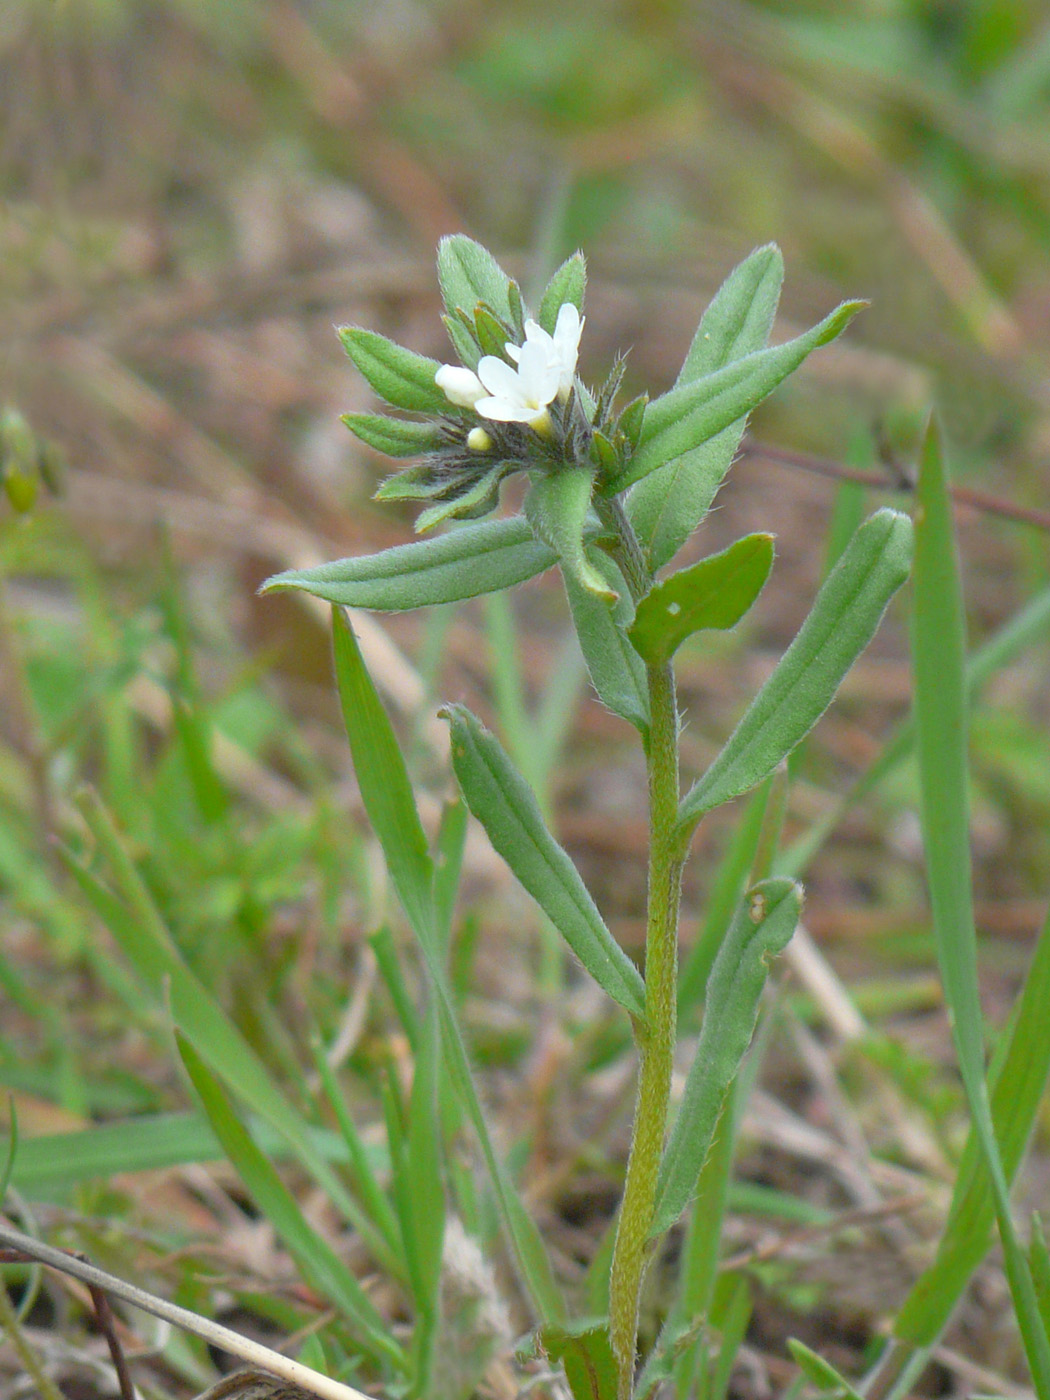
194,194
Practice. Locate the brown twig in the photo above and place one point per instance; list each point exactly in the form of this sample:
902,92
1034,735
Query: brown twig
895,478
104,1320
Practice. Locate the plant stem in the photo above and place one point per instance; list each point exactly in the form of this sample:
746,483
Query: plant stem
656,1038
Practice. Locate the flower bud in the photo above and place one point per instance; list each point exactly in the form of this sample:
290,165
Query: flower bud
460,386
478,440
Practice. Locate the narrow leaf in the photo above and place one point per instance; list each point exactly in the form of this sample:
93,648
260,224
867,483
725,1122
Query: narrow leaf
144,940
401,377
820,1373
1018,1079
840,624
714,593
584,1351
380,766
466,562
740,316
506,807
381,775
693,413
616,670
477,500
939,652
463,342
667,506
569,284
396,437
322,1266
557,507
468,274
763,926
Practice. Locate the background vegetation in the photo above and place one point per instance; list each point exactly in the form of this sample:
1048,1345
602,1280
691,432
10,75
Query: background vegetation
193,195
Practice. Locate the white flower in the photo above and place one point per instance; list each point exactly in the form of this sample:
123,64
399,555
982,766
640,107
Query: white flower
460,386
561,349
519,395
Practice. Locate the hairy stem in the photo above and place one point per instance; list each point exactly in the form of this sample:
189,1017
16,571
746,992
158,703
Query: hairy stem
656,1039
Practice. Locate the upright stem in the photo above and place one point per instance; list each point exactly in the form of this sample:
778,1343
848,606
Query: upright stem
656,1039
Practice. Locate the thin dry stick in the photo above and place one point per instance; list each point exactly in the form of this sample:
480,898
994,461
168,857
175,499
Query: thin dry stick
293,1372
104,1320
896,478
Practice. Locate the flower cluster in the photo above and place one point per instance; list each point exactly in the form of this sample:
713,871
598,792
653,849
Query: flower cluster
542,370
513,403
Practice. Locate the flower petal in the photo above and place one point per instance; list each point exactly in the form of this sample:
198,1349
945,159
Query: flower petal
538,373
460,386
499,378
502,410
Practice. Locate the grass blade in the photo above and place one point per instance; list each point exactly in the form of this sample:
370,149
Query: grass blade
319,1262
1017,1083
941,714
387,797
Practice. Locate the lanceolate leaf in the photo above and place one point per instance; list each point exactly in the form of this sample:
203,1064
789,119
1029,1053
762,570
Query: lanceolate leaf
840,625
397,437
692,413
468,561
762,928
381,775
714,593
666,507
506,807
569,283
557,507
401,377
616,670
468,273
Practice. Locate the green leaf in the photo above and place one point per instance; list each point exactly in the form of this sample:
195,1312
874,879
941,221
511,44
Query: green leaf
583,1349
468,274
506,807
466,562
939,655
1018,1079
557,506
380,766
615,668
569,284
1039,1263
492,334
740,316
381,776
396,437
138,928
762,927
401,377
463,341
666,507
715,593
840,624
321,1265
477,500
693,413
821,1373
723,895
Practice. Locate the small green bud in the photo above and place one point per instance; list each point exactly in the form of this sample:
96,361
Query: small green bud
478,440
